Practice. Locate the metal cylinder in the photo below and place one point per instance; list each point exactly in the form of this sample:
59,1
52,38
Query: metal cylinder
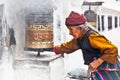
91,17
39,32
39,36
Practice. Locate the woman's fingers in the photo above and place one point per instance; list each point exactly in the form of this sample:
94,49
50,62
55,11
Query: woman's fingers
92,67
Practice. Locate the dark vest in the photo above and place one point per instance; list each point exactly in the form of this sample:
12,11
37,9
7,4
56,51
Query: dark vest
89,53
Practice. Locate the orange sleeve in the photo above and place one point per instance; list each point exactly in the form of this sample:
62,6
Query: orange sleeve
107,49
67,47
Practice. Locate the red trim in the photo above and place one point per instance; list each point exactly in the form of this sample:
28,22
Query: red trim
56,51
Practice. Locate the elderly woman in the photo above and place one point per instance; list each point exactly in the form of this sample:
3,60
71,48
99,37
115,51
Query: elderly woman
98,52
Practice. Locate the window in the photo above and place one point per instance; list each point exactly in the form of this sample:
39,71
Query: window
98,23
102,20
109,22
116,21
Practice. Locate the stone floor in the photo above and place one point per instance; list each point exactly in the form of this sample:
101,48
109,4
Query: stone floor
77,74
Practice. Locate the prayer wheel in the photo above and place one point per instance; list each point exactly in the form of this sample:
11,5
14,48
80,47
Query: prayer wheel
91,17
39,36
39,32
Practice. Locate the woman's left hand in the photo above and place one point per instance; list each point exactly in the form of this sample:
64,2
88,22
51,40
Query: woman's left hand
95,64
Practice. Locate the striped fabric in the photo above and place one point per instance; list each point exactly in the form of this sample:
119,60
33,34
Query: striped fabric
107,71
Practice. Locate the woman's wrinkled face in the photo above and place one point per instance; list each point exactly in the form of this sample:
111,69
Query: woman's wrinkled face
75,32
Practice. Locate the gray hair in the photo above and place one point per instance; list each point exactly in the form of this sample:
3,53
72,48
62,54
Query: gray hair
85,26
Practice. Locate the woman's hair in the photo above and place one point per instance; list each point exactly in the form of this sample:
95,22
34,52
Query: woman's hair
85,26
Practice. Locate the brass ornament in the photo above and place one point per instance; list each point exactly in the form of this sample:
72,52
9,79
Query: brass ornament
39,36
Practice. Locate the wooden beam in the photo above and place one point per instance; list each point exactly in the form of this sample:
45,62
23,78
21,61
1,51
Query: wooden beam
92,3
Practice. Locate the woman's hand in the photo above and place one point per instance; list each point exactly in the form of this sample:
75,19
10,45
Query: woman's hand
95,64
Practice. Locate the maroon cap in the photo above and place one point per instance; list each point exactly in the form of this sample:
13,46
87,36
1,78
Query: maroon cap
75,19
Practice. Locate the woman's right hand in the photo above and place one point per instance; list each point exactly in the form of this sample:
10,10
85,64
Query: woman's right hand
95,64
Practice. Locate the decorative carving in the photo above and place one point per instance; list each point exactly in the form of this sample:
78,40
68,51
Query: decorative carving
39,36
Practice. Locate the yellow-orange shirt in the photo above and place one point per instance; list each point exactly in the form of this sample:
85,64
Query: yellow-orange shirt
108,50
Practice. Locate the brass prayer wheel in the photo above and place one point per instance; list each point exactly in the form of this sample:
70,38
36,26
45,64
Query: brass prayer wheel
39,32
39,36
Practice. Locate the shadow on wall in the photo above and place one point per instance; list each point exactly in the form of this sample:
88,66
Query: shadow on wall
12,37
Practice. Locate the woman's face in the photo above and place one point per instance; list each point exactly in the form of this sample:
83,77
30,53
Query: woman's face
75,32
